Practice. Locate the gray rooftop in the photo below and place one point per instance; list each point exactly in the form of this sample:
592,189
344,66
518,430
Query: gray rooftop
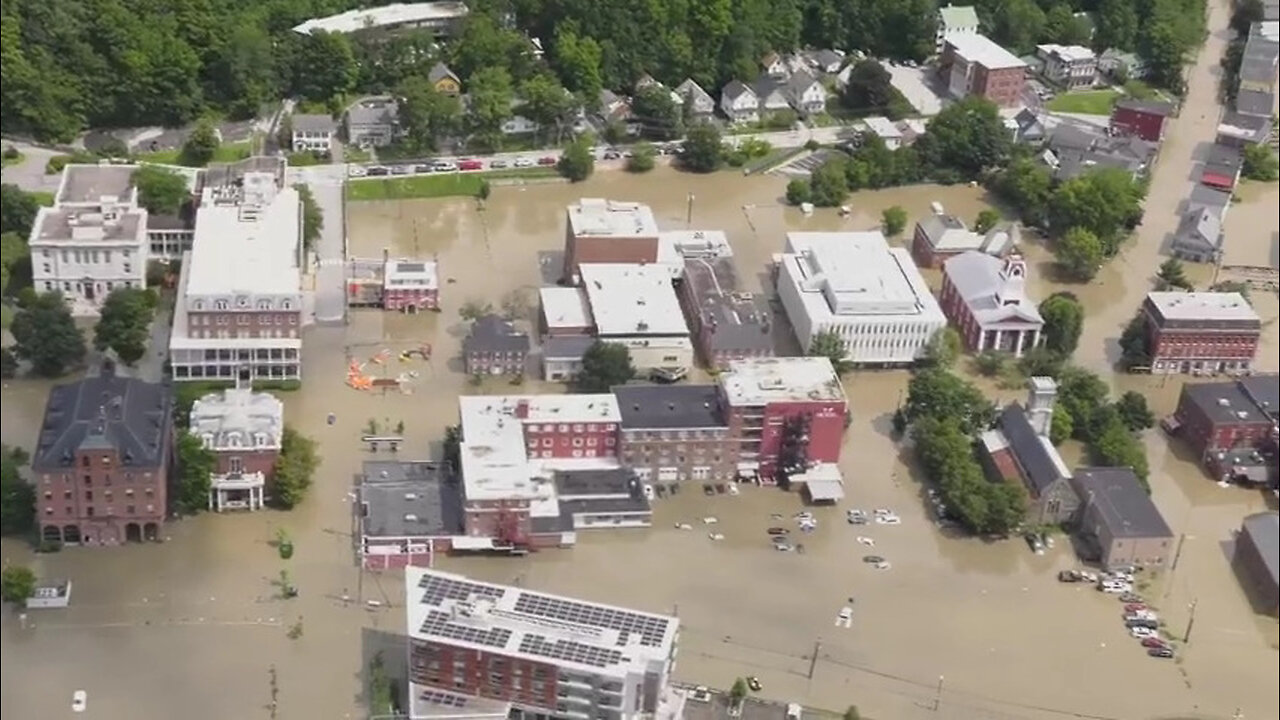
409,499
1154,107
596,482
1122,504
1255,102
90,183
491,333
1038,467
374,111
84,225
439,72
309,122
1204,196
669,406
1200,228
735,320
1264,391
105,412
566,348
1248,127
1264,529
1224,160
735,89
990,297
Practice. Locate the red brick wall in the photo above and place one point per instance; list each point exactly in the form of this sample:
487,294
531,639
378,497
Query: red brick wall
958,314
826,431
1002,87
1127,121
486,674
1202,434
1202,345
251,461
571,439
421,298
482,516
611,249
101,497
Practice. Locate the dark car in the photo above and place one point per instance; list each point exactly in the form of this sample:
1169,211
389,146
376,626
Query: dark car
778,531
872,559
422,168
1154,642
1161,652
1142,623
1130,598
376,171
708,490
548,160
754,684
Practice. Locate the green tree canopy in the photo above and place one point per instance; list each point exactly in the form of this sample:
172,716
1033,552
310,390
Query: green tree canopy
124,325
295,469
160,190
986,220
642,158
201,145
196,464
968,137
829,345
869,88
798,191
1080,254
893,220
490,94
604,365
828,186
936,393
659,115
17,584
943,349
1063,317
46,336
312,217
547,103
1134,412
1027,185
702,149
578,161
1260,163
1173,276
18,210
426,114
17,496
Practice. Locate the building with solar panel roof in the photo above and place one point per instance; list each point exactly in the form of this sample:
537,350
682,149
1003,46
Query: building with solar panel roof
474,646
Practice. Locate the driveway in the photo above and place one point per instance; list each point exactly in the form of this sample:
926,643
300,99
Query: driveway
919,88
29,174
330,252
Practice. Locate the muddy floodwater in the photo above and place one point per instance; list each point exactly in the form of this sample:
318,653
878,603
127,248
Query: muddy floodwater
957,628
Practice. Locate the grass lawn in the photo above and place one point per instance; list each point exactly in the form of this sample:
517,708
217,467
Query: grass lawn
1088,102
430,186
43,197
227,152
303,159
354,154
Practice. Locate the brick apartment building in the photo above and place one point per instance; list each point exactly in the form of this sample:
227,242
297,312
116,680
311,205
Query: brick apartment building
501,651
1143,118
494,347
608,231
1232,426
727,323
675,432
1200,332
245,432
102,461
410,286
972,64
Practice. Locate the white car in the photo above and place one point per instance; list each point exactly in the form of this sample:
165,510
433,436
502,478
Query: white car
1141,633
888,520
845,618
883,565
864,540
882,511
443,166
649,493
701,694
1115,587
79,701
710,520
523,162
715,536
356,171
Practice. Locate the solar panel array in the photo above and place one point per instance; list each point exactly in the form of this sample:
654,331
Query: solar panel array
437,589
440,624
651,629
570,651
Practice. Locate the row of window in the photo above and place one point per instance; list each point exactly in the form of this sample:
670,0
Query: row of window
564,442
198,320
88,494
242,303
87,257
83,288
88,479
276,334
89,511
667,435
589,453
577,427
233,440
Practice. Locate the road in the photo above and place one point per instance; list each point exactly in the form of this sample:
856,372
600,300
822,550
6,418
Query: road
29,174
330,251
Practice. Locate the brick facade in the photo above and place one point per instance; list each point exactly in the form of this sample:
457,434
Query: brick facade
495,676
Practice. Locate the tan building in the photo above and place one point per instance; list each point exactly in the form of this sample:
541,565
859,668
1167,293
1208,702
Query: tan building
1119,519
675,432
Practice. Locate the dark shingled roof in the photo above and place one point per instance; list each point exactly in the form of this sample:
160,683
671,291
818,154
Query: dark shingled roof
105,412
1122,503
1033,457
1264,529
1235,401
491,333
669,406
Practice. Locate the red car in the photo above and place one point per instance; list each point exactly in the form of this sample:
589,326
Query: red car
470,165
1134,607
548,160
1154,642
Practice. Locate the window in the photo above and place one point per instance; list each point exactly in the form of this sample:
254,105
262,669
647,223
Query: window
125,254
129,510
287,304
89,511
577,428
220,305
264,304
128,268
236,465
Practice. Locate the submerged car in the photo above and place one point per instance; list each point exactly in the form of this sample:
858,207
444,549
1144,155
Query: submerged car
872,559
1161,652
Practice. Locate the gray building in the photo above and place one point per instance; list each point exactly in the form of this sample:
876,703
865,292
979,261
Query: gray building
1119,520
1199,235
675,432
562,357
1257,560
594,499
727,322
408,512
1074,151
495,347
1257,103
1239,130
313,133
373,122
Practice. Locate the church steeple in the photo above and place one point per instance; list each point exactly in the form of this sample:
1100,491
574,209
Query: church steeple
1013,281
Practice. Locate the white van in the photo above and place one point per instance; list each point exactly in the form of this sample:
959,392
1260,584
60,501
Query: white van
793,711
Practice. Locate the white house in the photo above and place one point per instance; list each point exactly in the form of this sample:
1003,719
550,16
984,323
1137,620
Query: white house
775,66
805,93
697,102
313,133
739,102
884,129
770,95
1071,66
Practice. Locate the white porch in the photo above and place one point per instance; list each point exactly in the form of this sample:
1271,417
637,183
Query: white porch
243,491
1014,340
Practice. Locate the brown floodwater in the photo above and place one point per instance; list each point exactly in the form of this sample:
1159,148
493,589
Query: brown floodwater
191,627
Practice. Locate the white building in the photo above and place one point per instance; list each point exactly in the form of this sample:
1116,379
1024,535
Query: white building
239,308
442,18
1071,66
596,661
955,20
93,240
853,284
883,128
244,430
313,133
636,306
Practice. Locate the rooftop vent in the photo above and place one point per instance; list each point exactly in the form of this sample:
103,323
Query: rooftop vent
410,517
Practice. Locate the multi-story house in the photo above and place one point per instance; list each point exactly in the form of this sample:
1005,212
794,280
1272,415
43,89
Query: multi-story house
1222,167
675,432
244,430
1200,332
985,298
1228,416
698,103
739,103
313,133
727,322
94,238
410,285
805,93
239,305
444,80
1144,118
373,122
972,64
941,236
504,651
494,347
102,461
771,96
787,414
955,20
1069,66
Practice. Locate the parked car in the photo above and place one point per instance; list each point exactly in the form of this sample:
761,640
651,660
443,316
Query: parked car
888,520
778,531
872,559
701,694
422,168
668,374
856,517
1142,632
497,164
524,162
1069,576
548,160
1154,642
1130,597
443,166
377,171
402,170
611,154
79,701
1161,652
1134,607
753,682
470,165
357,171
1147,623
1112,586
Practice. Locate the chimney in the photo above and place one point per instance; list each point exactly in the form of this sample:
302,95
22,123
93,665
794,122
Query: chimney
522,409
1042,392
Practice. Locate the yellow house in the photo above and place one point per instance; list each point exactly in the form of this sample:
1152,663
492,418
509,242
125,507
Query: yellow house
444,81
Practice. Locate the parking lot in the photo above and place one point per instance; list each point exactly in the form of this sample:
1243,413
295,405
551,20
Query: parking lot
924,92
802,166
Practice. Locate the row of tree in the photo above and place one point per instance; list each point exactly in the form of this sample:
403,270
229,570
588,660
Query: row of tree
46,336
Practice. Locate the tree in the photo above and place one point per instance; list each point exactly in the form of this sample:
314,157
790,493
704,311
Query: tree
425,113
324,68
1165,54
17,584
1116,446
8,363
473,310
1134,412
604,365
17,497
1079,253
1232,286
827,185
1245,14
201,145
1260,163
124,326
196,463
936,393
1028,186
967,137
1017,25
546,102
738,692
989,363
577,162
490,94
1117,25
1063,317
17,210
1135,346
1061,425
1041,362
1106,202
828,344
15,262
46,336
851,713
1172,275
659,115
798,191
453,449
702,149
516,304
943,348
987,219
160,190
312,217
893,220
295,468
869,88
642,158
1061,26
578,60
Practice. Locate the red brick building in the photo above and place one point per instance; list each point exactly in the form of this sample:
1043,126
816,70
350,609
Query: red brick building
410,286
1143,118
1226,415
244,430
1200,332
102,461
985,299
608,231
495,347
972,64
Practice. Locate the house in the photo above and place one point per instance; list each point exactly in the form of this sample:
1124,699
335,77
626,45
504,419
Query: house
805,93
1069,66
940,236
493,346
1028,128
105,448
313,133
1199,236
373,122
985,299
955,20
647,81
1075,150
739,102
972,64
825,61
1144,118
884,129
673,433
1224,416
1118,519
697,103
614,107
1120,65
562,356
771,95
1018,450
1222,167
1200,332
775,66
1238,130
244,430
912,129
444,81
1257,103
1257,560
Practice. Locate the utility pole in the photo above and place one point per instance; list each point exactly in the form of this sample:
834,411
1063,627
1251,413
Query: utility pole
275,691
937,696
688,219
1191,621
813,661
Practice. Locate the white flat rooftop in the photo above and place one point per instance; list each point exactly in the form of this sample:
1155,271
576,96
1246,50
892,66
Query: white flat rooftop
984,51
1202,306
632,300
548,629
856,273
565,307
676,246
603,218
1067,53
247,244
883,127
761,381
410,274
397,14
